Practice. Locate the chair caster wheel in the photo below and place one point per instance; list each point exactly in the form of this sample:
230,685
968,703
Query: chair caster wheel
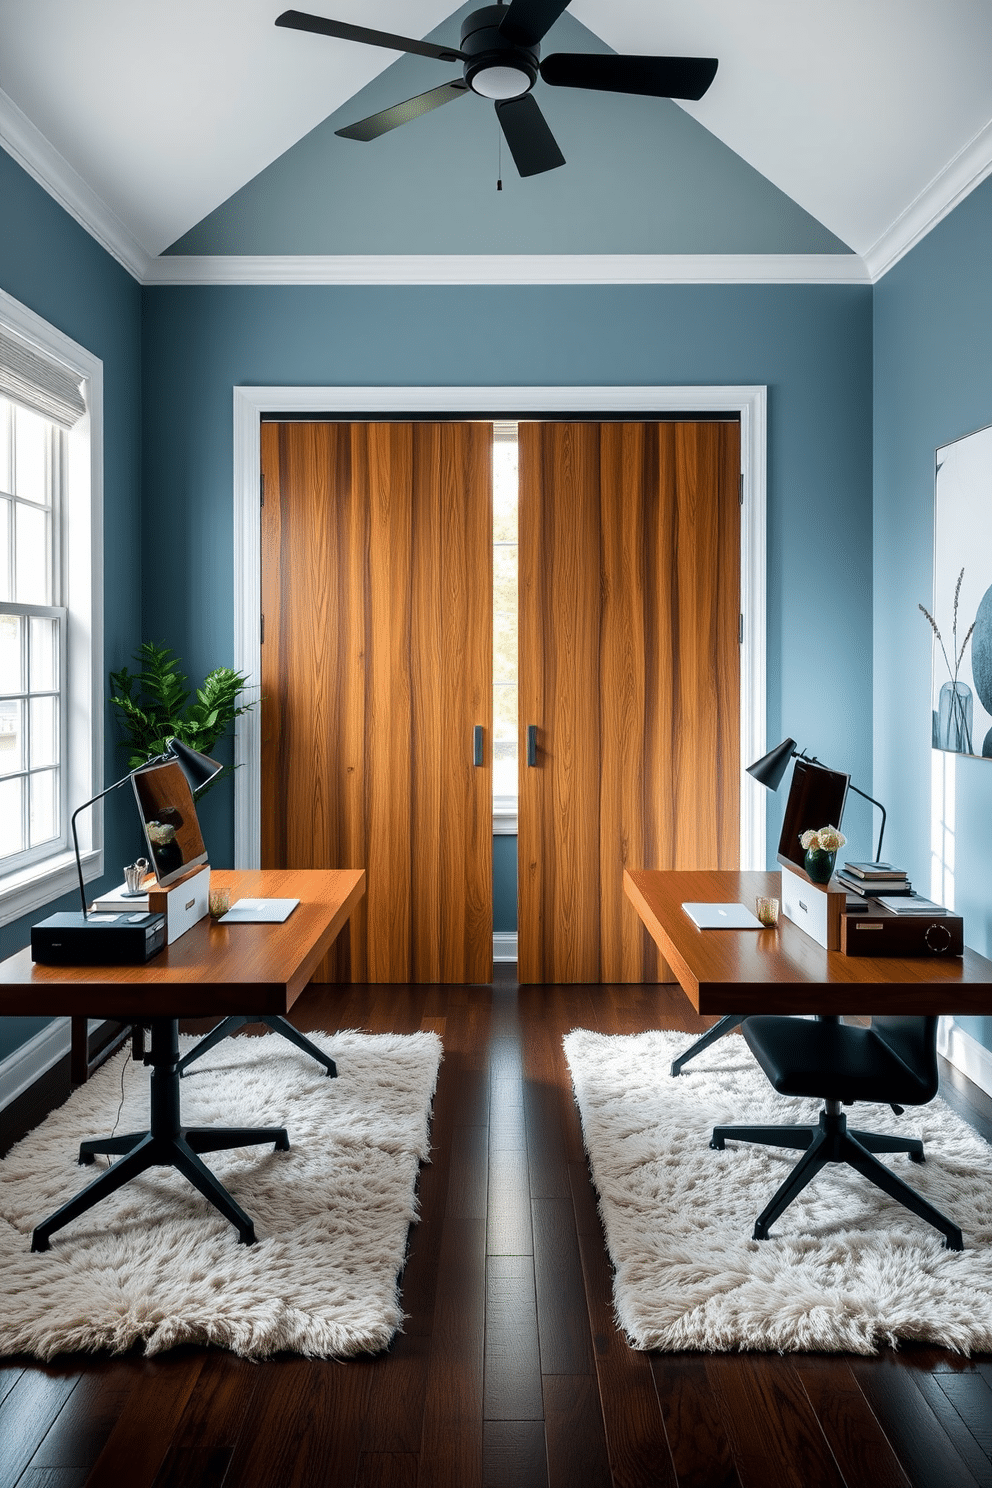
917,1157
717,1143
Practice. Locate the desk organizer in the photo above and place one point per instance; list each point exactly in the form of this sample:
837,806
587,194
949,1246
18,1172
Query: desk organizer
183,903
816,908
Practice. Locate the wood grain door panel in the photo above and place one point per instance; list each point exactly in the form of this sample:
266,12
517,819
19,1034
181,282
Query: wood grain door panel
377,562
629,666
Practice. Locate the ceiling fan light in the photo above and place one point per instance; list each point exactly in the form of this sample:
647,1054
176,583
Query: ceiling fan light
501,81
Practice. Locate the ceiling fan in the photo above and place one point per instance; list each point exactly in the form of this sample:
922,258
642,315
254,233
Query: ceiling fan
500,55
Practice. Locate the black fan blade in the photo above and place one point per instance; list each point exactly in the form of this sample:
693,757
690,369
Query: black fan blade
658,77
526,131
298,20
527,21
402,113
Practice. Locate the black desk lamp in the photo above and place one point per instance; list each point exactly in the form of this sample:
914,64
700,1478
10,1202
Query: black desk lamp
773,765
197,768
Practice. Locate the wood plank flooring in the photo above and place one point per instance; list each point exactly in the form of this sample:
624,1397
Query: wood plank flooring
510,1370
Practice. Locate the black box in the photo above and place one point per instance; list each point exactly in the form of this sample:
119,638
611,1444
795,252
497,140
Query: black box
74,940
881,933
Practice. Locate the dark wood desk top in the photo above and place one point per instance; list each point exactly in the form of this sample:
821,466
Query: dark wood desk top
211,971
784,970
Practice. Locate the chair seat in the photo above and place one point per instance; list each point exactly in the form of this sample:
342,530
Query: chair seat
833,1062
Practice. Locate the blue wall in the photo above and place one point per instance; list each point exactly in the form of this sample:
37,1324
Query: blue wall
50,264
812,345
933,383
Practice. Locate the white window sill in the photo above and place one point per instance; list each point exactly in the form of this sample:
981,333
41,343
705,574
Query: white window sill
22,893
504,821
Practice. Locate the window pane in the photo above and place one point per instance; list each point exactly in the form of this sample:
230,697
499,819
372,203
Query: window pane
44,748
11,679
32,566
44,807
505,489
6,517
11,828
44,654
11,736
32,434
6,418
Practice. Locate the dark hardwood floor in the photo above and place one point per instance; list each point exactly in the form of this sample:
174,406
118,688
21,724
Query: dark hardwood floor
510,1370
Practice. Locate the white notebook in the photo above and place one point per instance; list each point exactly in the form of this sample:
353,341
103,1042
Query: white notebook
259,912
723,917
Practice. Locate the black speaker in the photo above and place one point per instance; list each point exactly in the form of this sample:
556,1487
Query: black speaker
72,939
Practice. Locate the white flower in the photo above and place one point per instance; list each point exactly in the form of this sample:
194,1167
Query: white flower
824,839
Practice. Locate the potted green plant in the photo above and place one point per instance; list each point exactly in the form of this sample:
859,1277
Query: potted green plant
156,703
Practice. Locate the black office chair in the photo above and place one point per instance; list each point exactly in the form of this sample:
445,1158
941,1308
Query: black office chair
893,1062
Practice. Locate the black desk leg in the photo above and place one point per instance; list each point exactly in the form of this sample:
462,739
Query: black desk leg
166,1144
725,1025
277,1025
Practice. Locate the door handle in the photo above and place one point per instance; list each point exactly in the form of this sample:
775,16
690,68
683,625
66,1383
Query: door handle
478,736
532,744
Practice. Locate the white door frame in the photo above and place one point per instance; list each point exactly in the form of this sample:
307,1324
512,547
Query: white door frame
250,403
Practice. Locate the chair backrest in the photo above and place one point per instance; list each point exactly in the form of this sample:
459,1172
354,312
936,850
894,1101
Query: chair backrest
914,1042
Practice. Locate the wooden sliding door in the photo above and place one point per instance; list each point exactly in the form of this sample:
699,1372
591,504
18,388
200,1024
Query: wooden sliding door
376,672
629,671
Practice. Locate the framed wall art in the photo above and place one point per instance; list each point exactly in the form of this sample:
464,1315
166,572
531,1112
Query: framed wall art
961,617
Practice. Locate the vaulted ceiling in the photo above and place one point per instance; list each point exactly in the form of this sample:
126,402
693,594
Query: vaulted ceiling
837,121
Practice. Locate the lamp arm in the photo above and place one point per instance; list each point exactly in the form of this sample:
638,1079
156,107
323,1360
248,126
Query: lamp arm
881,831
92,802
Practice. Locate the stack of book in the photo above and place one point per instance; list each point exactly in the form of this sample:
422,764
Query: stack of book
872,879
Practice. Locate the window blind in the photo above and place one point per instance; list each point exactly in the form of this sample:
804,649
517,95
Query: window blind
39,383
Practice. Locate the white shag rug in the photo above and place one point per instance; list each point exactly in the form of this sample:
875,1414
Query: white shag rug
845,1268
157,1263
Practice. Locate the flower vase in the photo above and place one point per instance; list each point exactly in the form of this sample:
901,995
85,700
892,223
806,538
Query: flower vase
819,865
955,708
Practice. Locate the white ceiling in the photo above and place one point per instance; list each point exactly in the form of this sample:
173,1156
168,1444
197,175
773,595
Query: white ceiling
166,107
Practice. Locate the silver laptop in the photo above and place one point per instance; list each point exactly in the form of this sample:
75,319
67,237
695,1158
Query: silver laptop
723,917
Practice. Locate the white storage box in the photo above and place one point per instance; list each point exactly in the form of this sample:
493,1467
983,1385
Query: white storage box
815,908
183,903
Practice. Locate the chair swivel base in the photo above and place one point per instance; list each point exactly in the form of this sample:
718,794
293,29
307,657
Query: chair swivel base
278,1025
725,1025
832,1142
166,1144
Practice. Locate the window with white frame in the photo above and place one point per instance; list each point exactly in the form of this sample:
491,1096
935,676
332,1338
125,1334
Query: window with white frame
32,638
50,622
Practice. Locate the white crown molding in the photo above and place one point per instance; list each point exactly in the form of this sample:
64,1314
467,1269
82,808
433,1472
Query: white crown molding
958,179
29,147
514,268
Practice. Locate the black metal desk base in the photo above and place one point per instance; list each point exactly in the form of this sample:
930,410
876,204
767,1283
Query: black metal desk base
278,1025
829,1142
725,1025
166,1144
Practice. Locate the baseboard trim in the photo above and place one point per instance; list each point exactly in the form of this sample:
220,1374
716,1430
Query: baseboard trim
965,1053
25,1065
20,1069
504,945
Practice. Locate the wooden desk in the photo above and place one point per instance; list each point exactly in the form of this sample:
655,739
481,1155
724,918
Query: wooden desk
211,971
740,972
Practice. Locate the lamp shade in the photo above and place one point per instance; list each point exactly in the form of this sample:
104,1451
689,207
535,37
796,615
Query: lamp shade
198,768
770,768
